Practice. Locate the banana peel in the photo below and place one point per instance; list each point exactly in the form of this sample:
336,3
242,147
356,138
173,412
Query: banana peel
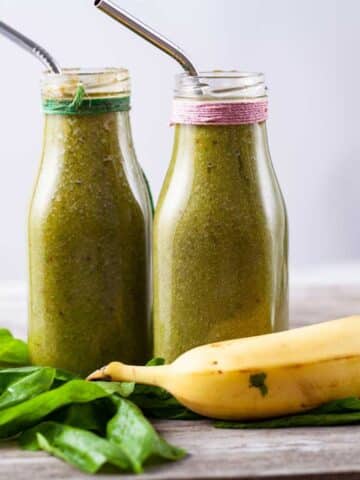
259,377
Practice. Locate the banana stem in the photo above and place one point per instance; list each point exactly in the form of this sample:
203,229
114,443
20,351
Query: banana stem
119,372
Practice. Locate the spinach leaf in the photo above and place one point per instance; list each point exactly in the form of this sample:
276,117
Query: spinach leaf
304,420
12,350
8,375
63,376
85,450
130,439
349,404
157,403
130,430
124,389
345,411
91,416
15,419
155,362
86,424
18,386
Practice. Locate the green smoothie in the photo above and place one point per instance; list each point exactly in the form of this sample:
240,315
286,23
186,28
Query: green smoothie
220,240
89,246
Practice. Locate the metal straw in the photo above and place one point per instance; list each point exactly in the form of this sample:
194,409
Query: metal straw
30,46
147,33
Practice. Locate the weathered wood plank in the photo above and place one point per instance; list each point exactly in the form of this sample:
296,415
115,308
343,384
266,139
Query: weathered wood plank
293,453
303,453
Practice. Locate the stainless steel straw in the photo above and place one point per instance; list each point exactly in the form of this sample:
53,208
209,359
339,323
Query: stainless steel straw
30,46
147,33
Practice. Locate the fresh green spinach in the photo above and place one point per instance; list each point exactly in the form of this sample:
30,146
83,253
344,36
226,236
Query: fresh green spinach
12,350
89,425
102,424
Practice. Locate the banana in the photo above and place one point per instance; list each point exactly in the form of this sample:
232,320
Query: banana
259,377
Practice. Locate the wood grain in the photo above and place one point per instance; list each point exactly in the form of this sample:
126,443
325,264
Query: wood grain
304,453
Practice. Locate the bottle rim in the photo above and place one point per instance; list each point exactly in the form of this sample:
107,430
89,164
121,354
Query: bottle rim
220,84
224,74
97,82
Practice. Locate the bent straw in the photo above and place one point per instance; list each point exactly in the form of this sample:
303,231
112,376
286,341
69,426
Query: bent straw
30,46
147,33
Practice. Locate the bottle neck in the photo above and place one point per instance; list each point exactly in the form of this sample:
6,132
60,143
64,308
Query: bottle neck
218,146
220,133
83,124
88,138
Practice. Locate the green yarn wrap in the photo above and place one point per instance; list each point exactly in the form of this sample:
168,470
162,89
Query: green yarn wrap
80,105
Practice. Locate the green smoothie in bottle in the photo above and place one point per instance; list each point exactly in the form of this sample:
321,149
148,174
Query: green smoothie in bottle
89,228
220,233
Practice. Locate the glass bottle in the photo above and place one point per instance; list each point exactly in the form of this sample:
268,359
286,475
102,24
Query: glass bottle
89,228
220,231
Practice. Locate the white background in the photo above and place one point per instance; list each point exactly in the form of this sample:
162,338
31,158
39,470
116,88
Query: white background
308,50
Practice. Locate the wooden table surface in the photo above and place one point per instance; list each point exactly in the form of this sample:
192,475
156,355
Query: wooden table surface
326,453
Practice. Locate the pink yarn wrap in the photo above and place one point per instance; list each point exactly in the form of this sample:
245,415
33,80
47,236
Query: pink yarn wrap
219,113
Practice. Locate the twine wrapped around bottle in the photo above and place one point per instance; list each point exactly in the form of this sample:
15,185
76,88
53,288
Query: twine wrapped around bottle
81,105
239,112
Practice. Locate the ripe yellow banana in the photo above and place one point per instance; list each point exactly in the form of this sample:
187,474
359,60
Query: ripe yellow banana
259,377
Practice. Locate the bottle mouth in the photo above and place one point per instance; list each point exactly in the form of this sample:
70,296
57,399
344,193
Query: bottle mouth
220,84
97,82
88,71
